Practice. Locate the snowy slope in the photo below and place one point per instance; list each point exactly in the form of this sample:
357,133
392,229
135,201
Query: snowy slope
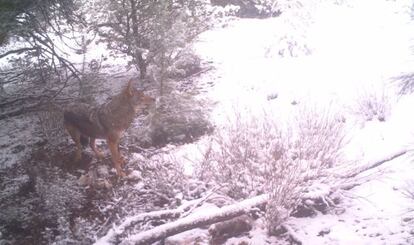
329,54
336,49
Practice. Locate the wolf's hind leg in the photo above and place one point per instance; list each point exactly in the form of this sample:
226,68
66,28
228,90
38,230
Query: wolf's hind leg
75,135
98,153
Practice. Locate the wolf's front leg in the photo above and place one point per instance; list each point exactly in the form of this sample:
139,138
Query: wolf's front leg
116,157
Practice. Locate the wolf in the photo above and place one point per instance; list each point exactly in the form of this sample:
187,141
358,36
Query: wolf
85,123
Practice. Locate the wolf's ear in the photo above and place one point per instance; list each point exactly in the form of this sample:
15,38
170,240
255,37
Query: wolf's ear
130,89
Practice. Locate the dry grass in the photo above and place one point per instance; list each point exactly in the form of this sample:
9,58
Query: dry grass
373,104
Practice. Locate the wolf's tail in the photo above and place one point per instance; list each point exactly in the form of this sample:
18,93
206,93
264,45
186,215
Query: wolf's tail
84,140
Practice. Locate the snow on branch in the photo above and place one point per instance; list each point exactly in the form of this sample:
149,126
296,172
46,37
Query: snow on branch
370,165
191,222
377,163
116,230
184,209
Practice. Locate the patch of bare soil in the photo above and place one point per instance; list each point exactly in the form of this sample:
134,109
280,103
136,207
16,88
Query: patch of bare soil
43,201
50,198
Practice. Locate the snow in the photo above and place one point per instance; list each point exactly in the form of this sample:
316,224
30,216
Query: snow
354,47
373,214
342,41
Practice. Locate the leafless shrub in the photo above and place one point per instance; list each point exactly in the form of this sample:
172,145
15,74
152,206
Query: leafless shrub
256,154
373,104
409,191
320,137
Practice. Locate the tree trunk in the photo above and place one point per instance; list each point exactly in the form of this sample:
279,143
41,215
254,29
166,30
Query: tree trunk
140,62
142,67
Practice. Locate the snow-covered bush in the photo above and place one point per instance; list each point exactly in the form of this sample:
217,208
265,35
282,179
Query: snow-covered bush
237,154
164,175
219,14
373,104
257,154
186,65
320,137
250,8
179,117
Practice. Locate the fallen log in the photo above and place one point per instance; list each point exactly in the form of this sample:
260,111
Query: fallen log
191,222
115,230
161,214
224,213
374,164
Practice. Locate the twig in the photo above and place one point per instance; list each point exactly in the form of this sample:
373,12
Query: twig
16,51
200,72
200,201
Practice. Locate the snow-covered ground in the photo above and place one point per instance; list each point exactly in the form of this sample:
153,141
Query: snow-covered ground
329,54
337,50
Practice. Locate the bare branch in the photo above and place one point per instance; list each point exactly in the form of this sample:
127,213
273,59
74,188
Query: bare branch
17,51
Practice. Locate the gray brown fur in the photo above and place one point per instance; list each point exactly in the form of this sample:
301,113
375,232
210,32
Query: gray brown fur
107,121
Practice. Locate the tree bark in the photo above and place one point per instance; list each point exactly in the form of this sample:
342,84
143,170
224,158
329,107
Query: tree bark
142,64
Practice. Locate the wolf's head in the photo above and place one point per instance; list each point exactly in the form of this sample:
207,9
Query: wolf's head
137,98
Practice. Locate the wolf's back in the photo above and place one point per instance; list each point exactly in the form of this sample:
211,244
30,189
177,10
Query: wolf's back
77,113
84,118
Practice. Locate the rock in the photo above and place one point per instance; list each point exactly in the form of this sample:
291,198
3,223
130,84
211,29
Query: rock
272,96
134,175
230,228
339,211
103,184
407,219
324,232
85,180
102,171
18,148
